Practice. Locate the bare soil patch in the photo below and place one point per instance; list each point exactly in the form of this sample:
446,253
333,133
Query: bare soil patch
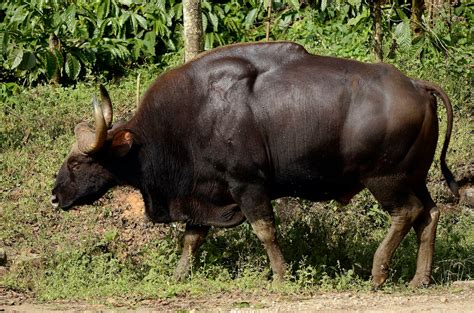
457,298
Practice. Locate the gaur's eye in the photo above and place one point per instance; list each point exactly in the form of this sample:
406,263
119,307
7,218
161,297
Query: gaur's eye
74,166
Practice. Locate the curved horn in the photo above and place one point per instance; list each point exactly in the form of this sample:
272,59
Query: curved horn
89,141
106,105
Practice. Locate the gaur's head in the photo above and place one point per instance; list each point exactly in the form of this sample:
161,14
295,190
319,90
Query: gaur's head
97,155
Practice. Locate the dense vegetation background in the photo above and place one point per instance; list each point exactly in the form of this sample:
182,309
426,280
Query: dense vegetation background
71,40
53,55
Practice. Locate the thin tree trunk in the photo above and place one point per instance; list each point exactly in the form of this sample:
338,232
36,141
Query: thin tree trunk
378,36
193,33
55,45
434,9
269,15
417,8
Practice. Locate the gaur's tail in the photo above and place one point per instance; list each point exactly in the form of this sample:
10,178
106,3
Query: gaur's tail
449,110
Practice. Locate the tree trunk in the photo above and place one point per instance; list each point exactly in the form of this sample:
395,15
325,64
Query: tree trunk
417,8
269,15
55,45
193,33
434,9
376,8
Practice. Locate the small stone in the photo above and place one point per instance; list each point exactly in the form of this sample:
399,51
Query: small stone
444,299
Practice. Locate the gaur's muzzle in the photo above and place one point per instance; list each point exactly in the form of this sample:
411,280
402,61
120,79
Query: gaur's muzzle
54,201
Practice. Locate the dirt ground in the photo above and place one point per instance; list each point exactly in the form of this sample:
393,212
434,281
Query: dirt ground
458,298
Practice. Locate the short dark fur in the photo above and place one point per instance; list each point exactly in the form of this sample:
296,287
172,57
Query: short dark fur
215,139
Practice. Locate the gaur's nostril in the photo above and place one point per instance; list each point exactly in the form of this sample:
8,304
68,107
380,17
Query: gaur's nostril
54,201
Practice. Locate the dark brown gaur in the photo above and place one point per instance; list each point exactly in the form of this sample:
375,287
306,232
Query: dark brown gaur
216,139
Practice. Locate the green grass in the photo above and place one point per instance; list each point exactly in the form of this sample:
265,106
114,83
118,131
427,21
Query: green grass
91,254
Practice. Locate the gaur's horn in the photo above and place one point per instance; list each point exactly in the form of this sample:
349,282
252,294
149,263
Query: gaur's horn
88,140
106,105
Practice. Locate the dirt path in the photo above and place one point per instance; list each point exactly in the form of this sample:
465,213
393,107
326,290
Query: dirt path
458,298
459,301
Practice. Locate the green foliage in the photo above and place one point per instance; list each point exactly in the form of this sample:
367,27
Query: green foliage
73,39
109,37
450,32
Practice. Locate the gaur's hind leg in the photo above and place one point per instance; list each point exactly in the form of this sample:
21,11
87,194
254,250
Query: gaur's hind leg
402,220
404,208
425,228
258,210
194,237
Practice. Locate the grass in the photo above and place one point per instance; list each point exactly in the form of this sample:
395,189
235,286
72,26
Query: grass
92,253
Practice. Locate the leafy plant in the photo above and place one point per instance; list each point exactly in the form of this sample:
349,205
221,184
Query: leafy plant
42,40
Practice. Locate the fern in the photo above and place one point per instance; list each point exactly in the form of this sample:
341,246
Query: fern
402,35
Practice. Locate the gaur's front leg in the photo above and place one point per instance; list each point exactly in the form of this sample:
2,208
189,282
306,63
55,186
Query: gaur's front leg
257,208
194,237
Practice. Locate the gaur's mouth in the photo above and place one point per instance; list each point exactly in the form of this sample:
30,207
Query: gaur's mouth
57,202
54,200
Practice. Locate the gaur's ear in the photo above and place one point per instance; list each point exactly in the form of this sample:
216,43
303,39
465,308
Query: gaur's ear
121,143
